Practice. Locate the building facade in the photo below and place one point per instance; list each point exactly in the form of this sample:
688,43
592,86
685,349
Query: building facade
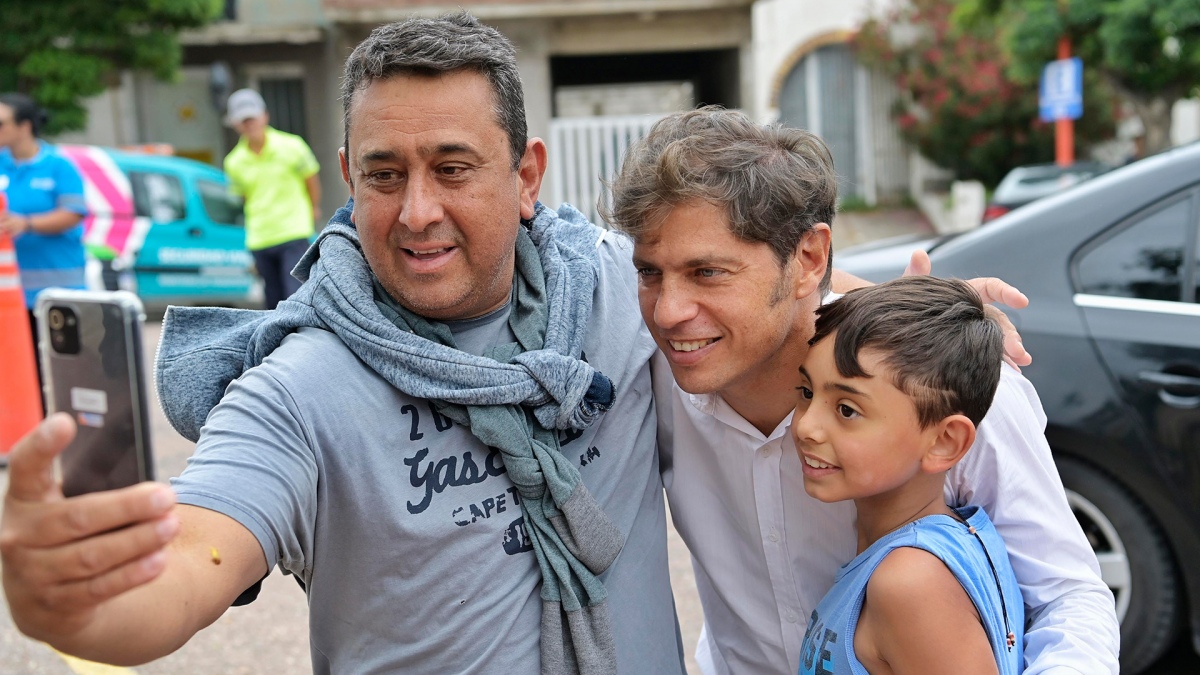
578,59
809,78
597,66
595,73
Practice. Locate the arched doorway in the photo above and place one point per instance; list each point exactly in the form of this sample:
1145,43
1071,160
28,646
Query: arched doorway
822,94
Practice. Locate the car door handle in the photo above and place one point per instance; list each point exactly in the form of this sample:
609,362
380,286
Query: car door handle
195,232
1189,384
1186,390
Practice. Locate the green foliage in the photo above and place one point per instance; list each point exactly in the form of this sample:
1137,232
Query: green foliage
63,51
1147,50
1146,45
958,106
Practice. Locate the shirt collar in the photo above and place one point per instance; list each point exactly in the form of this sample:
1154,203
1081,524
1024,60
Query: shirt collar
716,407
244,144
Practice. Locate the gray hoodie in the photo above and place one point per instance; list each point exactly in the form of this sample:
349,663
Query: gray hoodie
204,349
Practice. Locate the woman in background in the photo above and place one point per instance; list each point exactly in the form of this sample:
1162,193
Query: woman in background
45,203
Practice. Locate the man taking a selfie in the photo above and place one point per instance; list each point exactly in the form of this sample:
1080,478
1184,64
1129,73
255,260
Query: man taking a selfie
462,475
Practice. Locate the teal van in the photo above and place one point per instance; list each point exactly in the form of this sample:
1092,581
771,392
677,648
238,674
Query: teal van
164,227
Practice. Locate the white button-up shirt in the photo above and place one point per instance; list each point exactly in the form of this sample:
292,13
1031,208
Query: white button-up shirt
765,552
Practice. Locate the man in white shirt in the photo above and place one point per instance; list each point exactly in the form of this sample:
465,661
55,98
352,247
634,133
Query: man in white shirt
732,244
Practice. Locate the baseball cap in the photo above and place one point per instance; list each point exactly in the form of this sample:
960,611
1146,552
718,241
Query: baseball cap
243,104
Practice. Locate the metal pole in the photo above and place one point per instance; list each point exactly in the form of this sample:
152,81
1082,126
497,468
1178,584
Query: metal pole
1064,129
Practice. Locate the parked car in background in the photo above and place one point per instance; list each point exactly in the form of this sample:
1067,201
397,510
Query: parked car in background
1112,271
164,227
1025,184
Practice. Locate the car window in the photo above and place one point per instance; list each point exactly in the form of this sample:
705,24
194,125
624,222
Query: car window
219,204
1196,261
1143,260
157,196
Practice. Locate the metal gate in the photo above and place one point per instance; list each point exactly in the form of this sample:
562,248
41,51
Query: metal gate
587,151
849,106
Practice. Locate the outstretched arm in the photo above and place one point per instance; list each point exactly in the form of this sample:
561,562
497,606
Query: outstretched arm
120,577
844,282
1069,612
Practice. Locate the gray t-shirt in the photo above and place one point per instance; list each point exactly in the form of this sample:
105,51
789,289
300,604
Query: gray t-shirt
406,530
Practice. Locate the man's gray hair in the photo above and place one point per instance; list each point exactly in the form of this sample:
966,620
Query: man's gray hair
774,183
430,47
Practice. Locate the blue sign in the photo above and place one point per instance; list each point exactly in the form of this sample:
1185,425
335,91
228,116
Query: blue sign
1060,96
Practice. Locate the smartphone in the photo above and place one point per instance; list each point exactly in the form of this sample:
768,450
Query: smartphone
92,368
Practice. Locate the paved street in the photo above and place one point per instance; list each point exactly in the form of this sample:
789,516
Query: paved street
270,635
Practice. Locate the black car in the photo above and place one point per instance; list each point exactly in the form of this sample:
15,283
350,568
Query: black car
1112,273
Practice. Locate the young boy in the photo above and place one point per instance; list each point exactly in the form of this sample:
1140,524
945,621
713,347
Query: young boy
896,379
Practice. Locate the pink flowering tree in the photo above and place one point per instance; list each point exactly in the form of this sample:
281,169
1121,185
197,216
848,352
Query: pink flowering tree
957,104
1147,51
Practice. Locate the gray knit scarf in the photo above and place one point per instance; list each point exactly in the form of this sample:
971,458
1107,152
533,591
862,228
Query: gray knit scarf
512,398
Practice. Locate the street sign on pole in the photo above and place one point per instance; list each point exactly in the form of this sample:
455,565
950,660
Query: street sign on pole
1060,96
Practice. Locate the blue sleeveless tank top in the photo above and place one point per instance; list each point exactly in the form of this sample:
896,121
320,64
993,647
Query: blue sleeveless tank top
828,647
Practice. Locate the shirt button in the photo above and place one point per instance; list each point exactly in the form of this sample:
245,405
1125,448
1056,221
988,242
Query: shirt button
773,537
791,616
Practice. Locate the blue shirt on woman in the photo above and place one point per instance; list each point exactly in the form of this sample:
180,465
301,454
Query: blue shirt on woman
43,183
977,558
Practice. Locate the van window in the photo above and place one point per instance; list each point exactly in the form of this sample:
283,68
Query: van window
219,204
157,196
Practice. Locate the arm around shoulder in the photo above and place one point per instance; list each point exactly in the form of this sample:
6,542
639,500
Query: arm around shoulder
844,282
1010,472
918,619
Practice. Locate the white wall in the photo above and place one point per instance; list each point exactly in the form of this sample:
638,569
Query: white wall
112,118
182,115
782,26
1185,121
537,39
179,114
639,98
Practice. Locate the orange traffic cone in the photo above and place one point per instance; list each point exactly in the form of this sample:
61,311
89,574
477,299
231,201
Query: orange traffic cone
20,400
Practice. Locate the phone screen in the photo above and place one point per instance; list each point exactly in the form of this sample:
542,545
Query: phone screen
92,353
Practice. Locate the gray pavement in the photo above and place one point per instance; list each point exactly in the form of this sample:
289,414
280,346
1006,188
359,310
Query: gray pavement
271,634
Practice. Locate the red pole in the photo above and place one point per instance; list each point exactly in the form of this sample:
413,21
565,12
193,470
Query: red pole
1064,129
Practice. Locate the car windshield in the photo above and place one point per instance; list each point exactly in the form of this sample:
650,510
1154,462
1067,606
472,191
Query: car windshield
221,206
1026,184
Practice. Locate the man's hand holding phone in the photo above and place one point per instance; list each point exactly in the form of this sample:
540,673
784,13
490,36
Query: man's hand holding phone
64,557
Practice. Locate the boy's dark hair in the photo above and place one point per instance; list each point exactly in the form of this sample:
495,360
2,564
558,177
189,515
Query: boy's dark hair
944,351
